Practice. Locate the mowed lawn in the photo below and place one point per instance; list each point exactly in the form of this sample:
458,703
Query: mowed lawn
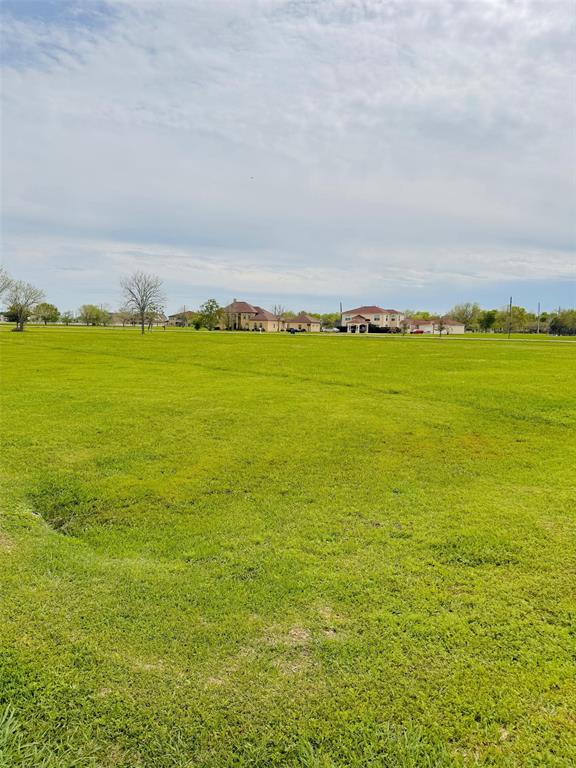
267,550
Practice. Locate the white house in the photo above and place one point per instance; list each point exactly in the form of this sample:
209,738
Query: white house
435,325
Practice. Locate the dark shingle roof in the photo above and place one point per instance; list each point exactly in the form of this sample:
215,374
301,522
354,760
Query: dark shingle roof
263,314
303,319
240,306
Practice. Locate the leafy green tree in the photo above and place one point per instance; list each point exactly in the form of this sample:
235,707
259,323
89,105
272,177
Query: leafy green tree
544,319
67,317
210,314
487,319
467,313
23,298
47,313
563,322
328,319
90,314
514,322
105,317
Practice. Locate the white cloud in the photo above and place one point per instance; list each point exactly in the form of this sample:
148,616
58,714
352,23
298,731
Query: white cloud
269,144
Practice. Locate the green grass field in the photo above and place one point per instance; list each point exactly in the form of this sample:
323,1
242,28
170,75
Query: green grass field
263,550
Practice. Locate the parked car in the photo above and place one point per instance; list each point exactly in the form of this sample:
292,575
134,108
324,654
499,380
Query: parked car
418,330
331,330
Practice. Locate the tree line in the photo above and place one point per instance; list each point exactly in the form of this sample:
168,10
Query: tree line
514,319
144,301
144,304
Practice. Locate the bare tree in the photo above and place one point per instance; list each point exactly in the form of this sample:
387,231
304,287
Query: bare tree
22,299
143,293
229,316
5,281
278,311
126,316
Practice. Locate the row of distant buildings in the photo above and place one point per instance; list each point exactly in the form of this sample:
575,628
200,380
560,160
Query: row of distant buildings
243,316
370,318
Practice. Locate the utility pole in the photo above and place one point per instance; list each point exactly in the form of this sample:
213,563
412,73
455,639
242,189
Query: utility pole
510,317
538,319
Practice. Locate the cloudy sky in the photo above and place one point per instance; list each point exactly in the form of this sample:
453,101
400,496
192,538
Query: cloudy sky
405,153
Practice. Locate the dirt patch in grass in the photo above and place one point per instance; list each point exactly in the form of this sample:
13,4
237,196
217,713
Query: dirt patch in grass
63,502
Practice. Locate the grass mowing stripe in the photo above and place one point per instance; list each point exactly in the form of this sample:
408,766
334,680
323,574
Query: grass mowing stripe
256,550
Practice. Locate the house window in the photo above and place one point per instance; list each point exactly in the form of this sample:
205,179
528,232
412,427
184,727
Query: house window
376,317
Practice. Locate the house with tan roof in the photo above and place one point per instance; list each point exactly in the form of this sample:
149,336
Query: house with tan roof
360,319
238,314
303,322
242,316
263,321
182,319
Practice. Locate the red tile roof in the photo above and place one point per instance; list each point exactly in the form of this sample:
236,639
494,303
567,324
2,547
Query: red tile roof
358,317
371,310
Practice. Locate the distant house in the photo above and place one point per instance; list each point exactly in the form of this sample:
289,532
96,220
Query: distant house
160,319
435,324
242,316
182,319
238,314
303,322
360,319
